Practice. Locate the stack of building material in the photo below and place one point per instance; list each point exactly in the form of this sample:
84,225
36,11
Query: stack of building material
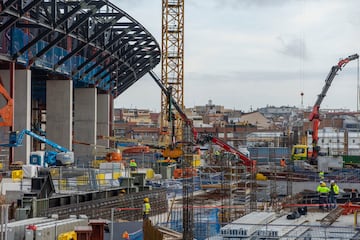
280,226
51,230
247,225
16,230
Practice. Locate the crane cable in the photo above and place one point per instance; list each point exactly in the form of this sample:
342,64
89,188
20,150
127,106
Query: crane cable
358,86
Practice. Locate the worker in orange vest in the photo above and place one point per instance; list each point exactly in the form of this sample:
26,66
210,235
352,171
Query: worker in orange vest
283,163
125,235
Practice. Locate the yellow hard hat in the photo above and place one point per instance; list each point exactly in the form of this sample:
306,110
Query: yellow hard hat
323,184
146,200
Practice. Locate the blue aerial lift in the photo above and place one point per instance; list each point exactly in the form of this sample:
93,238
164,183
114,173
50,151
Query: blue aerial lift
61,157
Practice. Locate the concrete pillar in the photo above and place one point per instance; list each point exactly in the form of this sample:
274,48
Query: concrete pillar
85,124
59,112
103,118
22,112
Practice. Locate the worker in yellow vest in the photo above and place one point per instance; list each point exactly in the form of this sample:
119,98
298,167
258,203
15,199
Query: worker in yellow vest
323,191
334,192
146,208
133,165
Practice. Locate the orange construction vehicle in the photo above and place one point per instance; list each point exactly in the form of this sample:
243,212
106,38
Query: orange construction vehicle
6,112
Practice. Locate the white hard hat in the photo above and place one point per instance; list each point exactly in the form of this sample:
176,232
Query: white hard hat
332,181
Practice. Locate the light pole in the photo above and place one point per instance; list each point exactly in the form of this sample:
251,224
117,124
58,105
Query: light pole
112,225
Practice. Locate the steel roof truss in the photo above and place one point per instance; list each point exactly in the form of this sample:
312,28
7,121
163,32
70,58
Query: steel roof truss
122,59
92,38
61,35
103,58
16,15
5,6
126,83
100,78
98,53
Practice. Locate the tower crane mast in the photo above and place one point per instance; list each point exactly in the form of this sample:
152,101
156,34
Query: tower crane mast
172,63
172,76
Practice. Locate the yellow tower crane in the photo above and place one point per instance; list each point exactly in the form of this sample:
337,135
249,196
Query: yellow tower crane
172,64
172,75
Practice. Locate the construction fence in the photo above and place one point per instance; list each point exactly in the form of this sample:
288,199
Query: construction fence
207,224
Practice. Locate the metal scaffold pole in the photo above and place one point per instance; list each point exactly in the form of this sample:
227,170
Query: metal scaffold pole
188,187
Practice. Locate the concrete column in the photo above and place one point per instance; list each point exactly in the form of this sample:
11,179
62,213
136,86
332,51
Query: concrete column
59,112
22,109
85,123
103,118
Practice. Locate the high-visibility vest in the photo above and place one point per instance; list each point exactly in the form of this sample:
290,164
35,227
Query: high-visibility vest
125,235
133,164
282,163
146,208
323,190
335,189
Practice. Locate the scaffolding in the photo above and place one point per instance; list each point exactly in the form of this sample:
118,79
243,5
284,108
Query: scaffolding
233,192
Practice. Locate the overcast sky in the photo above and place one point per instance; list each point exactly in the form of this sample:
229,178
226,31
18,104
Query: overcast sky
247,54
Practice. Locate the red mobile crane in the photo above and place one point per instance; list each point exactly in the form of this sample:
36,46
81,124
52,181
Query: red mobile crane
300,152
245,159
204,138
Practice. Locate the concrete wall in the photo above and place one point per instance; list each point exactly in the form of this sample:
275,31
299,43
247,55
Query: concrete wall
103,118
59,112
85,123
22,108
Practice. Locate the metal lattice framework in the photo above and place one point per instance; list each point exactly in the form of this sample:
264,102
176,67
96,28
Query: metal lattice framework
172,64
93,42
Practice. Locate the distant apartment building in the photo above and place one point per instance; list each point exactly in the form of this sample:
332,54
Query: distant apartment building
257,119
136,124
271,125
209,108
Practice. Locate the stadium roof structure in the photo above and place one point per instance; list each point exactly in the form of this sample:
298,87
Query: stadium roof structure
92,42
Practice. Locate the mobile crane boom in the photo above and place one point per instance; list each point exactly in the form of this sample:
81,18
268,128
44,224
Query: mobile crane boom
245,159
62,156
183,116
204,138
314,116
16,140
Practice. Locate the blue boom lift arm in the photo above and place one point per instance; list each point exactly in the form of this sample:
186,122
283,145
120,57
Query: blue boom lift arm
16,140
62,156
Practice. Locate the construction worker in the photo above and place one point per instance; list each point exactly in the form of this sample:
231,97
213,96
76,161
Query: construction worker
125,235
122,192
334,192
146,208
323,191
217,154
283,163
321,175
133,165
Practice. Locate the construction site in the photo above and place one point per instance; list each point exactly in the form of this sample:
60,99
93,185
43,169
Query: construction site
65,175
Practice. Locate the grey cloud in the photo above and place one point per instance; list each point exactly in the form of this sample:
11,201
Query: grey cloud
293,47
235,4
238,76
